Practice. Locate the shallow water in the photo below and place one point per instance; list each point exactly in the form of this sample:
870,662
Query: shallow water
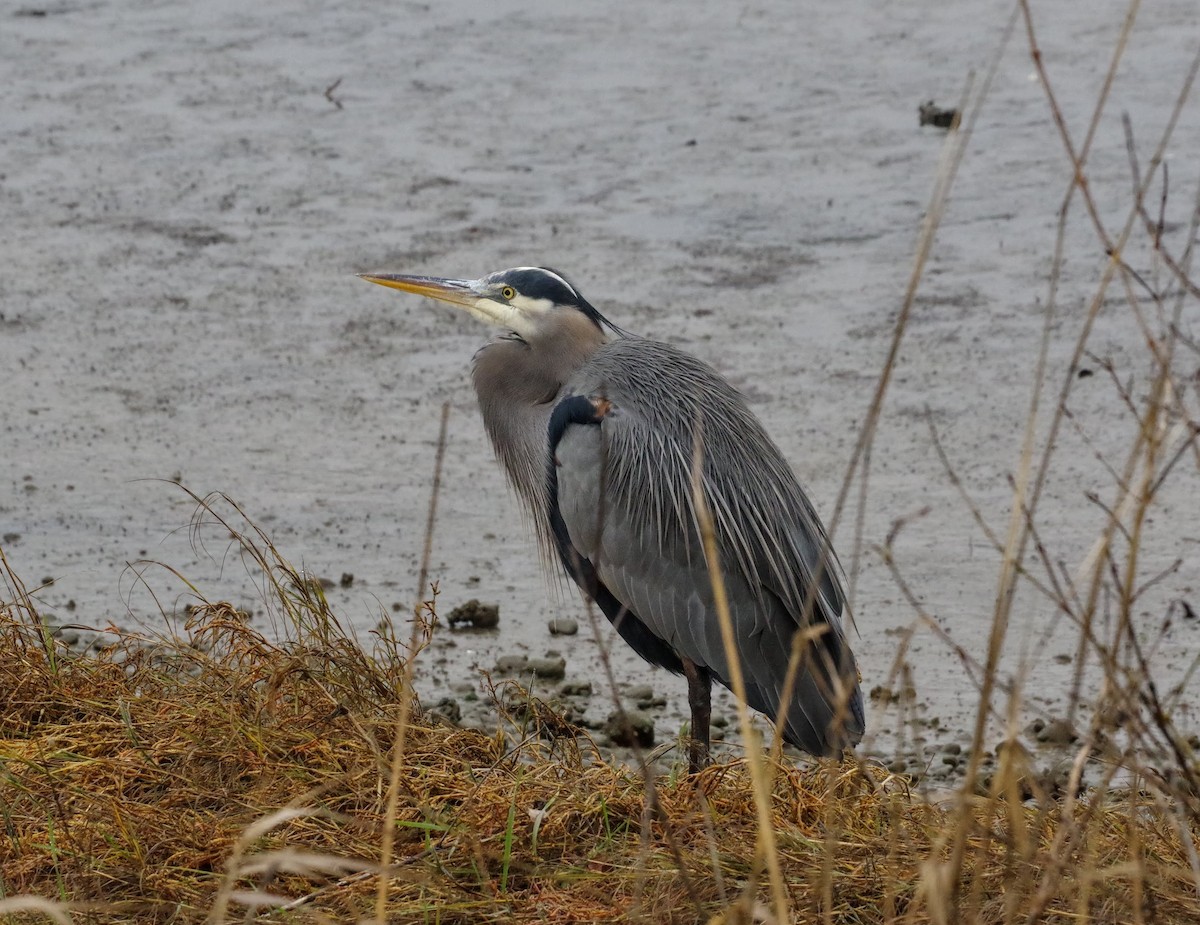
186,207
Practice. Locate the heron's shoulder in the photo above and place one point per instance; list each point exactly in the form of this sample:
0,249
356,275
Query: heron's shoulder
644,365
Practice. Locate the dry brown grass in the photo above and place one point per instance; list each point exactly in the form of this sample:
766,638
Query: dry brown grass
227,777
233,775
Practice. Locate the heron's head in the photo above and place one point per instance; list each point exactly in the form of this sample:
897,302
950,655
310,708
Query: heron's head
523,300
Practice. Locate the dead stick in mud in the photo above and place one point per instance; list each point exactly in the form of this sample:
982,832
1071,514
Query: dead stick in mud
329,93
389,818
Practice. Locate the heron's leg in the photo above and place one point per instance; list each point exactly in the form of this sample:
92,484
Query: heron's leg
700,700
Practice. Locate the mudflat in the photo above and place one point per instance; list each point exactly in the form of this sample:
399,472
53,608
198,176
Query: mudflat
188,191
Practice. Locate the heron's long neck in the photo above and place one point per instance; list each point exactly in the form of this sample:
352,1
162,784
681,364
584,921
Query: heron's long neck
518,383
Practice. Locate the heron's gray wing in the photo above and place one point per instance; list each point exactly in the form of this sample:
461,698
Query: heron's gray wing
639,536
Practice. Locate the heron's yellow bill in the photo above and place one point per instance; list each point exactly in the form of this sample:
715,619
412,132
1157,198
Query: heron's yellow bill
455,291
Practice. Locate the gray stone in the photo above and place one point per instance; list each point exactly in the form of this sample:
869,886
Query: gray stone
508,664
1056,732
551,668
576,689
633,728
564,626
475,615
447,710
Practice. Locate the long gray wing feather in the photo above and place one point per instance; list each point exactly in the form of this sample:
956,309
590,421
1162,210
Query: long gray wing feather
624,492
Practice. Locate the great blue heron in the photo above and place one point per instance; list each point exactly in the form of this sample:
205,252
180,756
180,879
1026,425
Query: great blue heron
596,434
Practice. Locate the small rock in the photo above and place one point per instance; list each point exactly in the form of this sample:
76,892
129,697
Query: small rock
1057,732
576,689
476,615
67,637
886,695
563,626
629,729
636,692
448,710
939,117
952,748
346,580
552,668
508,664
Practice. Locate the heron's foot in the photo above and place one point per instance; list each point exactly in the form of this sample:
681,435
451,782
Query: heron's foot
699,756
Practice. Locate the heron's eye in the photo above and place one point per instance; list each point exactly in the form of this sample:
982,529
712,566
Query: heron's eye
508,293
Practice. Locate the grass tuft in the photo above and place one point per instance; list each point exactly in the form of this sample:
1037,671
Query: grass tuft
222,775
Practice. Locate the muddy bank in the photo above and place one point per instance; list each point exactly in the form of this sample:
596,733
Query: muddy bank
188,195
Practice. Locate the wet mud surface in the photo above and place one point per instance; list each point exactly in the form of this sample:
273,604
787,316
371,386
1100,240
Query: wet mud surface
189,189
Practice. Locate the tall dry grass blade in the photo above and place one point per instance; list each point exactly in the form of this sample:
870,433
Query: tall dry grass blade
754,754
388,839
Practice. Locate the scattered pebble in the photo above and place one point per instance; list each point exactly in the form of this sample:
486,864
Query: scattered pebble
509,664
576,689
476,615
1054,732
67,637
885,695
564,626
551,668
346,580
632,728
448,710
937,116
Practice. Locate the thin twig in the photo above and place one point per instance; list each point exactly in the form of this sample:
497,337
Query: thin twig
388,839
